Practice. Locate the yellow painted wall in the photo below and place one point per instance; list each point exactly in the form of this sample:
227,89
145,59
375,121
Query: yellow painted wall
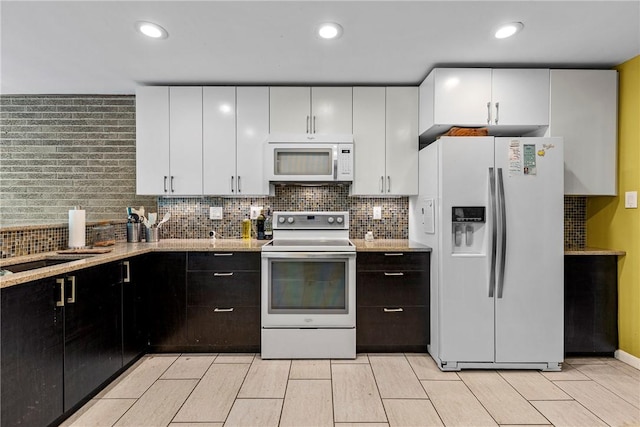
609,224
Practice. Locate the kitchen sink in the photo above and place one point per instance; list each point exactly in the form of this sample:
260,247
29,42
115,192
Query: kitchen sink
45,262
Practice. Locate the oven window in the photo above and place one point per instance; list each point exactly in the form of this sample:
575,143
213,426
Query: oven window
308,286
303,161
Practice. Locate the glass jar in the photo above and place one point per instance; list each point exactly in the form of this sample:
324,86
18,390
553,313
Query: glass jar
104,234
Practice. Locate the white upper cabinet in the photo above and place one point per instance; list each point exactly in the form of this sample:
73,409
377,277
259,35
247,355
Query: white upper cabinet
508,101
252,126
185,140
369,129
402,141
236,126
152,140
584,111
385,133
219,139
322,110
169,140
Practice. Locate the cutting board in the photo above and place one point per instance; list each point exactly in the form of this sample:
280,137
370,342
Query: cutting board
85,251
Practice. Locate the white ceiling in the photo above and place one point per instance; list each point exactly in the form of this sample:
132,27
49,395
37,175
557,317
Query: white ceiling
91,47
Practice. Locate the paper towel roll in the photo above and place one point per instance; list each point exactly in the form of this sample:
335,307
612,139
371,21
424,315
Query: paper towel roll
77,228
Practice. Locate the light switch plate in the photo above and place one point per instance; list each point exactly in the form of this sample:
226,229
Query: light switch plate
215,212
255,211
631,200
377,212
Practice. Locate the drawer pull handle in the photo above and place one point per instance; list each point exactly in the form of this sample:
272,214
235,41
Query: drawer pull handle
223,274
393,310
393,274
224,254
394,254
222,310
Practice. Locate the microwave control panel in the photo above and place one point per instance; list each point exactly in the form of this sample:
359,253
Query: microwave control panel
345,162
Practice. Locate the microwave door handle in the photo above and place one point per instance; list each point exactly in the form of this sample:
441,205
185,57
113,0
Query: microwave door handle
335,169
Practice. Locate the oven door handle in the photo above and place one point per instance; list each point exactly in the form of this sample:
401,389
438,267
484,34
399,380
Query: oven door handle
308,255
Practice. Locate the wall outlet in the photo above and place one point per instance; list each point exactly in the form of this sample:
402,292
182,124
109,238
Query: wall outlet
255,211
215,212
377,212
631,200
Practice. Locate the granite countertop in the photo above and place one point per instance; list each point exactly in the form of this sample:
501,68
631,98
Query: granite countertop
127,250
593,251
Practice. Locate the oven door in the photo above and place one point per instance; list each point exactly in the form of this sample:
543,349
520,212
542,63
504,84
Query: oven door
308,290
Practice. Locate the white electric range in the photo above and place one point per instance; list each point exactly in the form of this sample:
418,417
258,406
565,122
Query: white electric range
309,287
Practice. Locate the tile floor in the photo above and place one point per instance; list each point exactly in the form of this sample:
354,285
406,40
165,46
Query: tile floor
209,390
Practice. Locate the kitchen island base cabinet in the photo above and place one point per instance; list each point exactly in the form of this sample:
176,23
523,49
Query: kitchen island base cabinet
392,302
591,305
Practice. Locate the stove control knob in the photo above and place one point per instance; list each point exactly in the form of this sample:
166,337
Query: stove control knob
339,220
330,220
281,220
290,220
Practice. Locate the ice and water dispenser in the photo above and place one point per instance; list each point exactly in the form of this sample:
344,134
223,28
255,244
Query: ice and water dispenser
468,229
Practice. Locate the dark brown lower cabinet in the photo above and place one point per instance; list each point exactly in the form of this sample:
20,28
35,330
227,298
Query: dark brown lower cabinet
134,313
392,297
223,301
590,305
32,354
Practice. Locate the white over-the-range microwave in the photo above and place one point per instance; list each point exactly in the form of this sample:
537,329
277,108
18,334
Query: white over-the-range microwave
309,158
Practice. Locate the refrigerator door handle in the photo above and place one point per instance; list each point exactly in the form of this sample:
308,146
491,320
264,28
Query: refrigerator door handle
494,232
503,232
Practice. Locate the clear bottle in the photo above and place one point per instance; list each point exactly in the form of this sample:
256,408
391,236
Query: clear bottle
268,226
246,228
260,225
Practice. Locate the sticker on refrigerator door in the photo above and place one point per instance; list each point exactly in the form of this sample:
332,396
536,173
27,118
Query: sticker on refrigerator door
515,158
529,159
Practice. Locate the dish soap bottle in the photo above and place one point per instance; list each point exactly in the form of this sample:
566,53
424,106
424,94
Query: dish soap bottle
268,226
260,225
246,228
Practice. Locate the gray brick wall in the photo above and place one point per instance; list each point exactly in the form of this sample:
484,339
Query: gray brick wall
61,151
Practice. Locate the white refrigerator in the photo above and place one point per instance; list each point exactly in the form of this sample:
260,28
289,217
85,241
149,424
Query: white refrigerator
492,210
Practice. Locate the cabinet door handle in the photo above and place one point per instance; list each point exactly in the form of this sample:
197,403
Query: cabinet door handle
308,124
393,274
60,303
388,184
72,299
393,310
224,254
172,190
497,112
393,254
165,183
314,124
488,113
222,274
239,190
127,267
222,310
382,184
232,189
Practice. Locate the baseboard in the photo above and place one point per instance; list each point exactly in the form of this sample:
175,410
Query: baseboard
627,358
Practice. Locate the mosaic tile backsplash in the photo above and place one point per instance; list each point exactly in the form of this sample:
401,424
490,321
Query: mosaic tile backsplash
190,216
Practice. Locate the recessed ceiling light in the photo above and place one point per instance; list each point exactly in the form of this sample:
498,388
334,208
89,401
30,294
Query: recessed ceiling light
152,30
330,30
508,30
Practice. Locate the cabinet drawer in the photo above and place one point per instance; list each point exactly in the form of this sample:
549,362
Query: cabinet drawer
224,327
209,288
389,329
392,261
223,261
378,288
